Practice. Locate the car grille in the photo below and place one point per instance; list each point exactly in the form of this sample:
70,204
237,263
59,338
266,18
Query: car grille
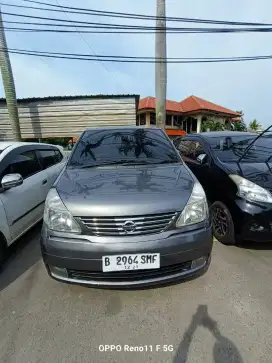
131,225
133,275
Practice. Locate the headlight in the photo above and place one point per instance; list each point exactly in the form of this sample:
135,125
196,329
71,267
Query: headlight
196,210
251,191
56,215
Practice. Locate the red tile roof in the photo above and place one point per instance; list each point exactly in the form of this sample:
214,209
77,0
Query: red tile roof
194,103
190,104
150,103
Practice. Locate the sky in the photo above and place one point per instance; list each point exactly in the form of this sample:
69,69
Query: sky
239,86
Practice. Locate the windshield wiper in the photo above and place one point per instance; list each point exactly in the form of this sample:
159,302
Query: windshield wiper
120,162
124,162
253,142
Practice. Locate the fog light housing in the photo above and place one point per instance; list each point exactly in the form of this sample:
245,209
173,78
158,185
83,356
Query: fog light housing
199,262
58,271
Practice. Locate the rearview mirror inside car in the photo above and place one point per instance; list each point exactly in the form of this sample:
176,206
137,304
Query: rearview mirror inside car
202,158
11,181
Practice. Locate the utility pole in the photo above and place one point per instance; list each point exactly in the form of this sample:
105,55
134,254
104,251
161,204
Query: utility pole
161,66
8,83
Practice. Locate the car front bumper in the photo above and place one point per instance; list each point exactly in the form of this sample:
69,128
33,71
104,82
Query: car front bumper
78,259
255,221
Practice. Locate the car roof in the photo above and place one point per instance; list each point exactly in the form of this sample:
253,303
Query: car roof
213,134
14,144
122,128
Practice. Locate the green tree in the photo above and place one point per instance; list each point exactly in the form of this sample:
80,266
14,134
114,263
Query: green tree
255,125
240,125
211,125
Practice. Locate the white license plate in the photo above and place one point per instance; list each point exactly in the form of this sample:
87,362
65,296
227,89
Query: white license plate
141,261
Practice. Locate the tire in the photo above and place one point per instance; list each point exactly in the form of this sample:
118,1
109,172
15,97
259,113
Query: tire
222,223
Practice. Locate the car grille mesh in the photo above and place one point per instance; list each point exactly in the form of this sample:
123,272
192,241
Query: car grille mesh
130,225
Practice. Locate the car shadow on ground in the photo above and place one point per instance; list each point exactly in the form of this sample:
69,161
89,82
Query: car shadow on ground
224,350
21,256
250,245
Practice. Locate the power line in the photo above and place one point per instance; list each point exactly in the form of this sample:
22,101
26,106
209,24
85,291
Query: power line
128,57
113,27
134,60
97,25
119,30
87,11
99,61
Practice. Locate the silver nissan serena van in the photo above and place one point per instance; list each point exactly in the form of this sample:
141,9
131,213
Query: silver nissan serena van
125,212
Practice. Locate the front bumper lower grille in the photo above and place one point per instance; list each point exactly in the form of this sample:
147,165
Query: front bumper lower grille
133,275
128,225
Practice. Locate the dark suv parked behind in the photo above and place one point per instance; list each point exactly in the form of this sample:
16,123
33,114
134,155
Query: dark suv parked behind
126,211
235,170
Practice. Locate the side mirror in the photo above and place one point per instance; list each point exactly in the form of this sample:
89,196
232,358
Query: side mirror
11,181
202,159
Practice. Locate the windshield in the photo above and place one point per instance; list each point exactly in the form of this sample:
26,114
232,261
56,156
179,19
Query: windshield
232,148
124,146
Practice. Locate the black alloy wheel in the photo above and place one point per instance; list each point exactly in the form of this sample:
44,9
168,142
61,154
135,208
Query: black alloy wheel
223,226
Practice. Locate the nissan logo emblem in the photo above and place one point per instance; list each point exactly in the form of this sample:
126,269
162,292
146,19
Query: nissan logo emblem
129,226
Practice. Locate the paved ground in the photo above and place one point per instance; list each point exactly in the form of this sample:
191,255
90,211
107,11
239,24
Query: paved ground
223,317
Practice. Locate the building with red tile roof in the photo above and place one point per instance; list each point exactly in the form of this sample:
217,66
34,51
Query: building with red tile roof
185,116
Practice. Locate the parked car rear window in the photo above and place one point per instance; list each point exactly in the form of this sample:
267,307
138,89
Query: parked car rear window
233,148
25,164
128,146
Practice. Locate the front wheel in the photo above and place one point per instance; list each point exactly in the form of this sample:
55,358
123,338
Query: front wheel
222,223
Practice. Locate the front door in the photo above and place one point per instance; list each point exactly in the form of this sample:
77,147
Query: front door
24,204
190,150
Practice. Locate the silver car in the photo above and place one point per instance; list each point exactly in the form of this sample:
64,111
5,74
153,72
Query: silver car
27,172
125,212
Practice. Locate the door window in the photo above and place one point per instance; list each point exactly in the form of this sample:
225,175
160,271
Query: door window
191,149
50,157
25,164
59,156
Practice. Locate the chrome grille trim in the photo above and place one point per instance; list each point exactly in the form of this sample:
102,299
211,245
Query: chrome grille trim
112,226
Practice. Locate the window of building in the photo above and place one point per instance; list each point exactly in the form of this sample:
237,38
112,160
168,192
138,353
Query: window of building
177,121
25,164
188,125
194,125
142,119
168,120
152,118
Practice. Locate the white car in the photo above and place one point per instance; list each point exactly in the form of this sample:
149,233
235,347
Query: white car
27,172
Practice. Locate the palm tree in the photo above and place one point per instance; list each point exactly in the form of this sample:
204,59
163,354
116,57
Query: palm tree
255,125
8,83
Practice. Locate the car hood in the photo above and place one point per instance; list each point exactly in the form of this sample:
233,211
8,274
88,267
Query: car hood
258,173
120,191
